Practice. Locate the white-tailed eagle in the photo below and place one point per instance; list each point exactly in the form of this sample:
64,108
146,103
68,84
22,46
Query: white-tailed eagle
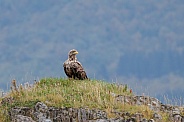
73,68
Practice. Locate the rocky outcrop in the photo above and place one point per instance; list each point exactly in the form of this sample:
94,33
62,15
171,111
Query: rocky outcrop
42,113
155,105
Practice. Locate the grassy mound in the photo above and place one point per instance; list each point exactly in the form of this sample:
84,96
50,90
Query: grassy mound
59,92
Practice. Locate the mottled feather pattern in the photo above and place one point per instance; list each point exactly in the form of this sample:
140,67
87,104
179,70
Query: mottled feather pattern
73,68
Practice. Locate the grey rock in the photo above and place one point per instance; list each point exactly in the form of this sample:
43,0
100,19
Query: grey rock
151,120
131,120
21,118
157,116
40,116
182,119
144,120
153,103
138,116
41,107
176,110
102,120
25,111
176,118
47,120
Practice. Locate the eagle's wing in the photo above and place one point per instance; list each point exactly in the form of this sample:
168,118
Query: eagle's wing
74,69
79,71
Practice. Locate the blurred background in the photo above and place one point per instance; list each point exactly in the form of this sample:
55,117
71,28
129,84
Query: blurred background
139,43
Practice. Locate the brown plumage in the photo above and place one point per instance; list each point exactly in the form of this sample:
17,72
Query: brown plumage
73,68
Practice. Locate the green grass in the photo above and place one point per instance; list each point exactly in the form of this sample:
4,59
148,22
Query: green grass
71,93
59,92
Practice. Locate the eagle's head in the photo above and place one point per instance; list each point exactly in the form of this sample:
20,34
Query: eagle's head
72,55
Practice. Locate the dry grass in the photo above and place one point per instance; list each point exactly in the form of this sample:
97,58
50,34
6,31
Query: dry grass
3,112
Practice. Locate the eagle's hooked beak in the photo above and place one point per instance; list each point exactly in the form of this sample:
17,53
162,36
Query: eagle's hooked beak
75,52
